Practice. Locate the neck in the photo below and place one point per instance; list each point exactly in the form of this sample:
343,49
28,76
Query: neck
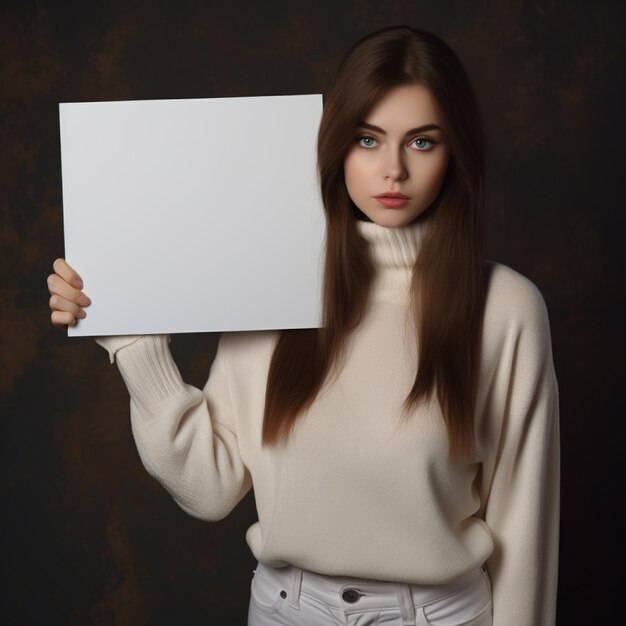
393,251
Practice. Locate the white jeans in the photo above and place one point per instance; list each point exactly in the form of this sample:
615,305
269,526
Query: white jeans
290,596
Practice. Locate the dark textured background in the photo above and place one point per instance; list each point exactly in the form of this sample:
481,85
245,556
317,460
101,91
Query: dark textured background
87,536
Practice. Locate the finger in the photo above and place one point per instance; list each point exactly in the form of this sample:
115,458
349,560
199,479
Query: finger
67,273
61,304
58,286
61,319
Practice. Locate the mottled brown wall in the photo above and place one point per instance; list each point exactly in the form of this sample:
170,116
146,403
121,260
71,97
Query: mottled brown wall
88,537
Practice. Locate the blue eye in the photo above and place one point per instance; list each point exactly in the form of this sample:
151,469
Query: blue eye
365,141
424,143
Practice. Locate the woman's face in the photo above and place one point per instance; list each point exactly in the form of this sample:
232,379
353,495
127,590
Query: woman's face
399,149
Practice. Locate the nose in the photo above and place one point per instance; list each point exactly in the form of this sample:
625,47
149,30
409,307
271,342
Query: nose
394,167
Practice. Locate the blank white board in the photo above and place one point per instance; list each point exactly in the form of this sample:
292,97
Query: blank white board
194,215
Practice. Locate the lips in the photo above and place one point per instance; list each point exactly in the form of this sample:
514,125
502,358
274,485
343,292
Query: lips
392,194
392,199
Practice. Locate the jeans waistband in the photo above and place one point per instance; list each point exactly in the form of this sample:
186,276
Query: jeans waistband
344,592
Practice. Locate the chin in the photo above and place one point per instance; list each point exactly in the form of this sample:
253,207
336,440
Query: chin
393,220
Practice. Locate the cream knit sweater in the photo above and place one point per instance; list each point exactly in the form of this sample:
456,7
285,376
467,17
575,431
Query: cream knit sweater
354,492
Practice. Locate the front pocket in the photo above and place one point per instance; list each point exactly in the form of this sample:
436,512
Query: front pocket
265,592
468,606
484,618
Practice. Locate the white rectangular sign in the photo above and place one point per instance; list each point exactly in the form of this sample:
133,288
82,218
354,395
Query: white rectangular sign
194,215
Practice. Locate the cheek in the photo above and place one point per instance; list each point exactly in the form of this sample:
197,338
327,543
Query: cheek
434,175
354,174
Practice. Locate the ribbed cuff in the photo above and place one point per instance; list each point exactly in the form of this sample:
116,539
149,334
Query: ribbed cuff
149,371
113,344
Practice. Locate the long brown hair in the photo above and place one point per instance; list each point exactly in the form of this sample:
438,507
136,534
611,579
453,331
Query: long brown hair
448,284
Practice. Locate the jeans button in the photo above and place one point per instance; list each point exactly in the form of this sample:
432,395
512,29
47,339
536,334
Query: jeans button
351,595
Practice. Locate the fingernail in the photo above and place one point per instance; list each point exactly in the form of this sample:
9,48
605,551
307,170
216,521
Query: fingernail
78,283
83,300
81,314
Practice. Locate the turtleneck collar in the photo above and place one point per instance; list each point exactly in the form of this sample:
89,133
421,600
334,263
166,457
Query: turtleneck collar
393,251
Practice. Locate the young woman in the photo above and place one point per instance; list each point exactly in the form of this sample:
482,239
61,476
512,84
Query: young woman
405,457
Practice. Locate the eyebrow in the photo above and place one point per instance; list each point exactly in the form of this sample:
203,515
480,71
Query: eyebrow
419,129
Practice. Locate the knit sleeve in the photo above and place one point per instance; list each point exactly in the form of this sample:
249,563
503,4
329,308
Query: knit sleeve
186,438
521,494
113,344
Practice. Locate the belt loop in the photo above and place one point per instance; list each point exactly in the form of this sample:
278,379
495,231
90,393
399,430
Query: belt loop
296,586
405,601
420,617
